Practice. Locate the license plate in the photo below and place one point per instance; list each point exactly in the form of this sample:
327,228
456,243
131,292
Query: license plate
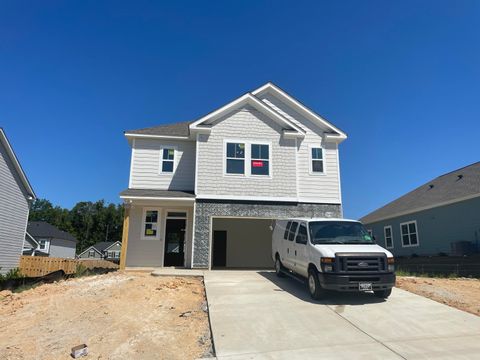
365,286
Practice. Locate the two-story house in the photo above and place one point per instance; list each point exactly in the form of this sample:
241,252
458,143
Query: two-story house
205,193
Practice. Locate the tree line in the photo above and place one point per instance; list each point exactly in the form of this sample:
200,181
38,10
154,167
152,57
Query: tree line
90,222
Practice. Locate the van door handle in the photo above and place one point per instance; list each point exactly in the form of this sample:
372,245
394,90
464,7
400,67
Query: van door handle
295,252
288,251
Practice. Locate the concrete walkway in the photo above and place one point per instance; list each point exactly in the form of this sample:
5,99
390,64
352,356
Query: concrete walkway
255,315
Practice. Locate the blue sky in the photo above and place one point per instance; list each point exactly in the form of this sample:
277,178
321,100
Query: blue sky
401,78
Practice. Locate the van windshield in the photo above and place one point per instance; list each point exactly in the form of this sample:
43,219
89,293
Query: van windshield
338,232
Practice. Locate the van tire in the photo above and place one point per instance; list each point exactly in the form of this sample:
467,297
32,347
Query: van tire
279,267
314,287
383,294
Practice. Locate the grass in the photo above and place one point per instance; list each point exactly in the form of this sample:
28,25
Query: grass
401,272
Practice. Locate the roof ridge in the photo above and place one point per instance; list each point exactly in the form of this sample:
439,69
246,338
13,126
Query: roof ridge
453,171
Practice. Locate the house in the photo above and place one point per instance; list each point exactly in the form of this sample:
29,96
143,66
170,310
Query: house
204,193
108,250
52,241
16,196
440,217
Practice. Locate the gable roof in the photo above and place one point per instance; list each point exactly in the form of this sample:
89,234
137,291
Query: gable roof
183,130
42,229
16,164
300,108
455,186
88,249
104,245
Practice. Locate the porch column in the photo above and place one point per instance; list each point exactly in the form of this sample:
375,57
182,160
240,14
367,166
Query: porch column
126,221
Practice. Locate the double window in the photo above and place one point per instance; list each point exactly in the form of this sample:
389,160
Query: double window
256,155
151,221
316,160
168,160
409,233
387,231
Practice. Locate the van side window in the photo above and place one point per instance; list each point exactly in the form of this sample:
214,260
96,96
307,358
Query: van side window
287,228
302,235
293,229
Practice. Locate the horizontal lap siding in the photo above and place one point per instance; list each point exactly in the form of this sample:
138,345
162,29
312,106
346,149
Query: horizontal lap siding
319,188
61,248
13,214
248,125
146,157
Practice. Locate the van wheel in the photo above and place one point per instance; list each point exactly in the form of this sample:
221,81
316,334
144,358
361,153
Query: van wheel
382,294
278,267
314,287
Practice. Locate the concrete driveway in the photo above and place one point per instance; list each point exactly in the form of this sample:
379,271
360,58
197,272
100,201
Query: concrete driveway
255,315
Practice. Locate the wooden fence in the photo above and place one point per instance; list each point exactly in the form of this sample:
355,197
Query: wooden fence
35,266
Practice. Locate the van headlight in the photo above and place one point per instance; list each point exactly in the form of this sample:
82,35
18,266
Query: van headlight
327,264
391,264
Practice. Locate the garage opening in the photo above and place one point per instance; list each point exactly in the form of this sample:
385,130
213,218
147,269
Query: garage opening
242,243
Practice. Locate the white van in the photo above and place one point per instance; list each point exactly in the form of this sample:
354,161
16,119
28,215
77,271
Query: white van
333,254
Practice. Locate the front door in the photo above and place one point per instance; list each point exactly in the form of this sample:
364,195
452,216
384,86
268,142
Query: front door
219,248
175,242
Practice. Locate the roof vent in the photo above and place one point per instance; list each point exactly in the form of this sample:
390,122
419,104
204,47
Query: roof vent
431,186
459,177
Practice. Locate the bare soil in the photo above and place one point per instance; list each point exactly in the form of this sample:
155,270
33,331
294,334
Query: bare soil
118,316
461,293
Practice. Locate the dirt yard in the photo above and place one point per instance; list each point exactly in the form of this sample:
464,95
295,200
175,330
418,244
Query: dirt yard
461,293
119,316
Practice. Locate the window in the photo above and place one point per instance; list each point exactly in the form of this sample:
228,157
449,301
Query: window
150,224
302,235
110,254
287,229
409,233
317,160
259,159
177,214
117,254
43,245
168,160
91,253
387,230
293,229
235,158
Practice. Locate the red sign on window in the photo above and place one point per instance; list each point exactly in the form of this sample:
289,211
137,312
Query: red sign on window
257,163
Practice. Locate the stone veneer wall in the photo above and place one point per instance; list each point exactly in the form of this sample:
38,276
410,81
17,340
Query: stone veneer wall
206,209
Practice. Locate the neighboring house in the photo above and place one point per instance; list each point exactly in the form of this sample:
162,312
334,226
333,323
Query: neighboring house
441,216
16,195
108,250
204,193
51,240
31,246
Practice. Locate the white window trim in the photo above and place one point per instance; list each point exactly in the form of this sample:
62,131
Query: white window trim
416,232
91,251
385,236
47,245
248,158
310,158
159,221
175,160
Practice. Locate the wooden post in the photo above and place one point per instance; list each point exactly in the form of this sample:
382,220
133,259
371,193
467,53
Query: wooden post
126,221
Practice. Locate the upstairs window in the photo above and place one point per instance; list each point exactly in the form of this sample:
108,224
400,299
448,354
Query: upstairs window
409,233
388,237
151,219
260,156
317,166
235,158
91,253
43,245
168,160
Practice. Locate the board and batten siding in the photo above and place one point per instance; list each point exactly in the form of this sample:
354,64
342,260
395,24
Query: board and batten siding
14,208
146,165
246,124
312,187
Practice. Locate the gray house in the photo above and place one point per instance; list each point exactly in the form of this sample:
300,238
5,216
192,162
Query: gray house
441,216
108,250
204,193
51,240
16,195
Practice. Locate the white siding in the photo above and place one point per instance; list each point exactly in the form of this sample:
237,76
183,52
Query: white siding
145,169
14,209
246,124
315,188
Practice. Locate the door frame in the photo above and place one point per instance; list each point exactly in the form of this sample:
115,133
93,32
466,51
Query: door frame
187,231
